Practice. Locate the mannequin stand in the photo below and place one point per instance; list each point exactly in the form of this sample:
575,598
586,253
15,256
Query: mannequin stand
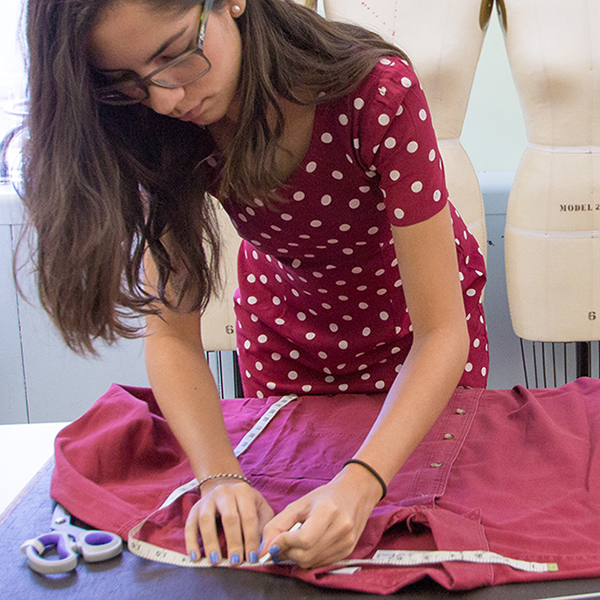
550,364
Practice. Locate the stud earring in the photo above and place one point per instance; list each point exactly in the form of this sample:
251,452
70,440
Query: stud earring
236,10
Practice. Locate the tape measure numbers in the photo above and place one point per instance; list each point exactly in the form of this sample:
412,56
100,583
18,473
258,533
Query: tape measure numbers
382,558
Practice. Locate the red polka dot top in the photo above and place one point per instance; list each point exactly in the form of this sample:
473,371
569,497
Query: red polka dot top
320,306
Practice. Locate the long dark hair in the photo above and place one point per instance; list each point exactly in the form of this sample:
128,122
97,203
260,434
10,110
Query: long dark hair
104,184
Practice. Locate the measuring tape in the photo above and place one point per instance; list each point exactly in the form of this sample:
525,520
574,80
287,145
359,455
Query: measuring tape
382,558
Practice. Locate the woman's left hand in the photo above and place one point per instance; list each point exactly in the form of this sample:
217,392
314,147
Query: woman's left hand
333,518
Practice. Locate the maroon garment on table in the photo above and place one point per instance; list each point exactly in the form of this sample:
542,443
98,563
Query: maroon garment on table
511,471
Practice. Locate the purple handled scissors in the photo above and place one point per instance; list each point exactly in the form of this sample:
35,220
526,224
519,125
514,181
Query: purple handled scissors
69,541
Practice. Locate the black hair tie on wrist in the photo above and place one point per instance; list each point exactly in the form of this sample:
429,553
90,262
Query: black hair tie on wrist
372,471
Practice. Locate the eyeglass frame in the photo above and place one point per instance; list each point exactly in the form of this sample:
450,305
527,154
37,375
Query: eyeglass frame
142,82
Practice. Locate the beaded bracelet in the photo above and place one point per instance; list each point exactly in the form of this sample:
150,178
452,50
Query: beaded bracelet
223,476
372,471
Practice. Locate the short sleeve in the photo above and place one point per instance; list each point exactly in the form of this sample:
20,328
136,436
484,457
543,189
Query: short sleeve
395,142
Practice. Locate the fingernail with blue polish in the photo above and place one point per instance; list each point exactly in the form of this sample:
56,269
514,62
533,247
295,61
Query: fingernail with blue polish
193,555
262,545
274,551
253,557
234,559
214,558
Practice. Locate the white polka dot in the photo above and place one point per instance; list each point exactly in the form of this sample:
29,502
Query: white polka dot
483,371
254,318
337,175
384,120
356,143
398,213
412,147
406,82
254,254
292,375
263,279
416,187
365,376
385,61
263,338
366,331
326,200
247,344
294,354
390,143
344,227
343,345
384,316
468,367
286,217
311,166
437,195
395,175
423,114
317,274
395,350
375,150
251,278
296,263
432,155
306,388
327,138
348,251
250,211
299,196
400,110
476,343
380,385
316,223
271,385
471,292
259,394
358,103
252,300
365,189
323,355
381,292
373,230
276,356
258,366
311,335
354,203
301,316
343,387
343,119
363,305
329,379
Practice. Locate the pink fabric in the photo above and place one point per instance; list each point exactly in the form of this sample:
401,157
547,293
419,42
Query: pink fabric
320,306
515,472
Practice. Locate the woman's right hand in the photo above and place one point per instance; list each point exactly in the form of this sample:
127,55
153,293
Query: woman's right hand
242,512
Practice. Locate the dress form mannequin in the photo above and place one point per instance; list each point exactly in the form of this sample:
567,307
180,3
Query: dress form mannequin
443,39
552,237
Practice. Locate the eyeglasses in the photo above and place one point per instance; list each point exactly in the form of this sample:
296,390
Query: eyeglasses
186,68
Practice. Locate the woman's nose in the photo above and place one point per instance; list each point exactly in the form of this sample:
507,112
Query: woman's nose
164,100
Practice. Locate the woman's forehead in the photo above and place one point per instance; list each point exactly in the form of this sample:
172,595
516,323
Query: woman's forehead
129,32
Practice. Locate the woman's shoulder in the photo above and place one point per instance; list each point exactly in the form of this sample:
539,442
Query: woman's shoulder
386,84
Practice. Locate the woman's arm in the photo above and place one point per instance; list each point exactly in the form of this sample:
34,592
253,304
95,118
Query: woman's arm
187,395
335,515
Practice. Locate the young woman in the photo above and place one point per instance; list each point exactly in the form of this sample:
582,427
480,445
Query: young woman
356,274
